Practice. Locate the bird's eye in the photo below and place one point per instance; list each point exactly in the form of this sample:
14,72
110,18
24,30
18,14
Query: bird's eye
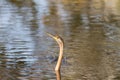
57,37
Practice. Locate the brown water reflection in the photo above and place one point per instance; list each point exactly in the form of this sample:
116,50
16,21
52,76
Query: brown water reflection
90,29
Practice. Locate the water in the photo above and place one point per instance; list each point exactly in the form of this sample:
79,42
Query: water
90,29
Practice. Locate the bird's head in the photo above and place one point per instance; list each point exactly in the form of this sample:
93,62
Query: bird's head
57,38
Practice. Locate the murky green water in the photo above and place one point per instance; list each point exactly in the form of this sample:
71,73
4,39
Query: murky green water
90,29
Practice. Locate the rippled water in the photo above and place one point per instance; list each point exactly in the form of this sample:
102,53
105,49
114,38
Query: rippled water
90,29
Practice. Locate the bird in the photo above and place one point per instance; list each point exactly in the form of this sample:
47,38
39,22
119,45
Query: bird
60,42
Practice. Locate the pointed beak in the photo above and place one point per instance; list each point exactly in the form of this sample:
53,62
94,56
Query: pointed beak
51,35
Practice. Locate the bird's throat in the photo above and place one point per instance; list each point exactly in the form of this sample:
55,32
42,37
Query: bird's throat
58,65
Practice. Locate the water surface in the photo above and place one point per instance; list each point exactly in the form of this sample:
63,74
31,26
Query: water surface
90,29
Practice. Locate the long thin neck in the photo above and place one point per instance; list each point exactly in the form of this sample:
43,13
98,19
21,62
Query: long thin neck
58,65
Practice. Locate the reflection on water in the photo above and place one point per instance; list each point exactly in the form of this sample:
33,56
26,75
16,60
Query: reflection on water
90,30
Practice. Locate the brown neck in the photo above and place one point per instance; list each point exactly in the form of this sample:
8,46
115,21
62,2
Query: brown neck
58,65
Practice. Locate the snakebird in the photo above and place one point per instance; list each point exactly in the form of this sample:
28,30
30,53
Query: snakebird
60,42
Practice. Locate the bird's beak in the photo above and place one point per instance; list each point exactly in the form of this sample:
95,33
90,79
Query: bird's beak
51,35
